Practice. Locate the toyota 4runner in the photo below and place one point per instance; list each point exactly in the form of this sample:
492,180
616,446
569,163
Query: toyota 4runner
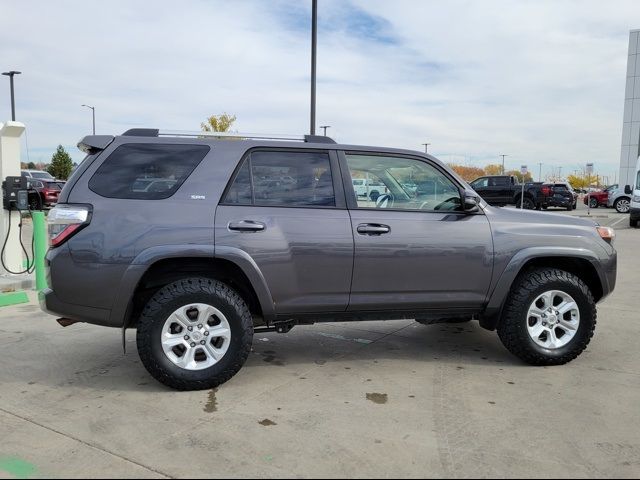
216,246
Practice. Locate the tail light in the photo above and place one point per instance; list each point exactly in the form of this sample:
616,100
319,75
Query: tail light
546,191
65,221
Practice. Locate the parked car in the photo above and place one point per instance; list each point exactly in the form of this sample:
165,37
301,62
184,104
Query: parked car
38,175
198,268
619,200
634,192
560,195
503,190
598,198
368,188
43,194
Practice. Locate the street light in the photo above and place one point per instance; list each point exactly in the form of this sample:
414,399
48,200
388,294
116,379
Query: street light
426,147
324,127
314,43
503,162
13,103
93,113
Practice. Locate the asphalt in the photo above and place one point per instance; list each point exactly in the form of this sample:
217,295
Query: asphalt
373,399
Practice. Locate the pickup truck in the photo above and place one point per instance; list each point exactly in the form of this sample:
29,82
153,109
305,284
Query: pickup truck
503,190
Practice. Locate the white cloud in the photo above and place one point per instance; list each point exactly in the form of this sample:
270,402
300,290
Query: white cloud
542,81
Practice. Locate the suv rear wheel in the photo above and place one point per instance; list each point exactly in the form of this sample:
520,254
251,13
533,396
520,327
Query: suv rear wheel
194,334
549,317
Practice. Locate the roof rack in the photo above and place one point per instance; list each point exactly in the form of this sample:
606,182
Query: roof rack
154,132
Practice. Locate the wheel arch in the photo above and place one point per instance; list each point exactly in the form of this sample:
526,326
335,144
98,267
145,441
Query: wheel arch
153,269
580,262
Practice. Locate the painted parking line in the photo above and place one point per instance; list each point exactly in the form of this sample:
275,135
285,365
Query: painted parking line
618,221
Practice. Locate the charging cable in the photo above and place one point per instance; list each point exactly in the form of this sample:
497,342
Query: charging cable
31,263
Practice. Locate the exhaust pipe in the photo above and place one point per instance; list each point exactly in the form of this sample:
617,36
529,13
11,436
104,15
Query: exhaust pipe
66,322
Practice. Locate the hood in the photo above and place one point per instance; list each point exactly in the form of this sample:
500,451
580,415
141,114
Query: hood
533,217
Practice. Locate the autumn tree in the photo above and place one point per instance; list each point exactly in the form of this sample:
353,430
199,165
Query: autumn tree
467,173
493,169
218,123
578,181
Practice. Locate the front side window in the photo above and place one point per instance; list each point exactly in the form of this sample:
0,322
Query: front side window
146,171
480,183
283,179
430,188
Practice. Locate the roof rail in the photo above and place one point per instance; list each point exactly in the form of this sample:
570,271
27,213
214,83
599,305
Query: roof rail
154,132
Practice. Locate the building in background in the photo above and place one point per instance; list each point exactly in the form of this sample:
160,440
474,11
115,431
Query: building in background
631,119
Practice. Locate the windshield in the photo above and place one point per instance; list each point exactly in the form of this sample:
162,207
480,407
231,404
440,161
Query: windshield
637,187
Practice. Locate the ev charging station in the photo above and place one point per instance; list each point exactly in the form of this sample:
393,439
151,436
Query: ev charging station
10,136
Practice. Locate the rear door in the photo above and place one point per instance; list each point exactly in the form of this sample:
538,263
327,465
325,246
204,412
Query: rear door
286,210
415,250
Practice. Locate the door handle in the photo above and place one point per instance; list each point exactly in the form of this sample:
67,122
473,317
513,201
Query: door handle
373,229
247,226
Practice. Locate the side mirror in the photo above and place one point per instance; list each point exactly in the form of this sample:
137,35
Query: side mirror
471,203
627,189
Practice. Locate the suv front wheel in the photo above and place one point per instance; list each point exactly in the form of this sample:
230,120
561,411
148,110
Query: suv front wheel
549,317
194,334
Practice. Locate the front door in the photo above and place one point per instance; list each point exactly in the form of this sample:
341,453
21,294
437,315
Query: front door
415,249
285,209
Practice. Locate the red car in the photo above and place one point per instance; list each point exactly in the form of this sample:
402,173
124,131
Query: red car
44,194
599,198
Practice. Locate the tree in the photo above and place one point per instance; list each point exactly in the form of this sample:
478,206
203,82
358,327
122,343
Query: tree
467,173
61,164
578,181
31,166
218,123
493,169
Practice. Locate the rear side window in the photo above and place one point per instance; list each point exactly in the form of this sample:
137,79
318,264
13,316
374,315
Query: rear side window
146,171
284,179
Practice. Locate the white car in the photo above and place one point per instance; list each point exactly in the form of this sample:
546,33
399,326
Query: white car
634,193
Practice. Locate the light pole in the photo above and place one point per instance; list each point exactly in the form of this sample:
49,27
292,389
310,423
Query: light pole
540,172
426,147
314,49
503,162
324,127
93,113
11,74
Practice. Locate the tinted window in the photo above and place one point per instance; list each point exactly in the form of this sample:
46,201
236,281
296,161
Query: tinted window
499,182
433,189
480,183
283,179
146,171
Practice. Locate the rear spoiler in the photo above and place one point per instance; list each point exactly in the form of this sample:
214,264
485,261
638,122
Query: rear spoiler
95,143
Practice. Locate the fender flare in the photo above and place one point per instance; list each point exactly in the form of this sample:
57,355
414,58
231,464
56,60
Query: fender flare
144,260
493,311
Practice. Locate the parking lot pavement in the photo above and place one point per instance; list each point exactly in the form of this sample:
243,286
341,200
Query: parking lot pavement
374,399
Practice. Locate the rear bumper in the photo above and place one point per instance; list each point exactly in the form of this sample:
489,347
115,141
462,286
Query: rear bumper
51,304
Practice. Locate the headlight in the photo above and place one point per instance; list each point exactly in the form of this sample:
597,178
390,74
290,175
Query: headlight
608,234
636,198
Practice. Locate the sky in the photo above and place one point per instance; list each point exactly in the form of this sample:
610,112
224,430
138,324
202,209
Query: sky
540,81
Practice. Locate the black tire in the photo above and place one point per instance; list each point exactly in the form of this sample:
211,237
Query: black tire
545,207
575,205
512,329
593,203
569,208
182,292
633,222
527,204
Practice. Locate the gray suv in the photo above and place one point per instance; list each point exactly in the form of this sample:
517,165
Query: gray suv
199,242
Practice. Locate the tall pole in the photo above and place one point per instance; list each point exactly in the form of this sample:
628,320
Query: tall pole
93,112
426,147
540,172
503,163
314,41
13,102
